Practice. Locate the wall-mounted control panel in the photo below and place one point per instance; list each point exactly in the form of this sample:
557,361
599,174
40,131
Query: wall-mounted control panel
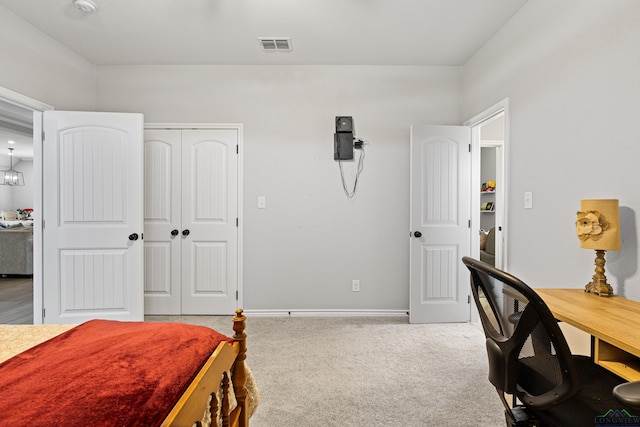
343,138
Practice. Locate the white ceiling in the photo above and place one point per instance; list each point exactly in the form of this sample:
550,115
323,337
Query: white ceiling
16,133
327,32
21,143
226,32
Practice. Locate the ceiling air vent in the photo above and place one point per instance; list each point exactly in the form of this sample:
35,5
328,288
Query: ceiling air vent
275,44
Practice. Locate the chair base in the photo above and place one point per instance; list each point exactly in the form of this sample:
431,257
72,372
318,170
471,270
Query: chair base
628,394
594,399
519,417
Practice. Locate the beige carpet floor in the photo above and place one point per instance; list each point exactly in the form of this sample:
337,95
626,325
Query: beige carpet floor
365,372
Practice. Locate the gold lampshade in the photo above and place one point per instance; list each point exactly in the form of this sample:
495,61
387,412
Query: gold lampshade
598,227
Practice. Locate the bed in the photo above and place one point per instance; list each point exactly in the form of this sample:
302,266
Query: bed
110,373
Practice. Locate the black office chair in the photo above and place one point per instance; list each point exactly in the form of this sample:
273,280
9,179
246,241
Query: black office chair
530,360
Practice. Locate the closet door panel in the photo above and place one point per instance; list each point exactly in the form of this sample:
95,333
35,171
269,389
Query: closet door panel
162,215
210,211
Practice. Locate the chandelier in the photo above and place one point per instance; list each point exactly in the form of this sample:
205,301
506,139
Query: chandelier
11,176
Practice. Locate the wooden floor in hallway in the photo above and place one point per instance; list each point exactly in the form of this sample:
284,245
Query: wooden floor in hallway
16,300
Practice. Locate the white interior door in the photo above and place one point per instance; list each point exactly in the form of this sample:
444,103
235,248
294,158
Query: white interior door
162,221
440,223
92,216
191,228
210,216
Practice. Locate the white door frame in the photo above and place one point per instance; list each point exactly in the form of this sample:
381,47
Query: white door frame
239,127
475,123
37,107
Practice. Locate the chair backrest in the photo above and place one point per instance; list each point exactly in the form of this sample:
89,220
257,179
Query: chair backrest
528,354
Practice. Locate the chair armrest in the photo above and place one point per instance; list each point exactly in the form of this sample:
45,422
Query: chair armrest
628,394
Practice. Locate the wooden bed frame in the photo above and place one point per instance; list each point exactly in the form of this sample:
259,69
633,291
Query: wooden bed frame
207,398
188,411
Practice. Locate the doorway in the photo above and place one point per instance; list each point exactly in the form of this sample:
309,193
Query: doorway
491,194
490,177
16,274
18,122
481,211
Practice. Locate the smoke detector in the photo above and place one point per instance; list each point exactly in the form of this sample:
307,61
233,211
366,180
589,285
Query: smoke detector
87,6
275,44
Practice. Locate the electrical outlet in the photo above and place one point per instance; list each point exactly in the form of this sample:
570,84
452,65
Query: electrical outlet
355,285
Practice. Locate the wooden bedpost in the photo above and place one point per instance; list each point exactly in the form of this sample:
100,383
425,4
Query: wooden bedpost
225,400
239,376
213,411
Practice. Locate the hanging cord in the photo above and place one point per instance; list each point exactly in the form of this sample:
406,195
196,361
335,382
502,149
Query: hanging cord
351,194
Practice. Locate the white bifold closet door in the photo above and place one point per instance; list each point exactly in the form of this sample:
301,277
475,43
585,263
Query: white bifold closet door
191,221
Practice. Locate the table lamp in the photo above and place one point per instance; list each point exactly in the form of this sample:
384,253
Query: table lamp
598,227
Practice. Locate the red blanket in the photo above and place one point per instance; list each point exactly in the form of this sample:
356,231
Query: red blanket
104,373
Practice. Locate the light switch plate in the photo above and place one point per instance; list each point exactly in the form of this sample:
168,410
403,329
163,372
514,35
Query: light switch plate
262,202
528,200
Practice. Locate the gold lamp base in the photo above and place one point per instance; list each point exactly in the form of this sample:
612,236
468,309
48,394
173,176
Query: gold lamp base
599,283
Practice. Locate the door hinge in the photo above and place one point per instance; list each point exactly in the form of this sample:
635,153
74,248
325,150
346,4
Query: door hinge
237,149
43,135
468,299
237,222
236,295
43,312
469,223
469,147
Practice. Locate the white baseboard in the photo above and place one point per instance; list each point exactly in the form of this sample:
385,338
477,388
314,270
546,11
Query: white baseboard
327,313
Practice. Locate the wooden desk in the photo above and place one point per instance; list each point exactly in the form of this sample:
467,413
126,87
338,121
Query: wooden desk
613,322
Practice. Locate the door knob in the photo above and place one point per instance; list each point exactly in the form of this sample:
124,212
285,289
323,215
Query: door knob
185,232
133,236
174,232
417,234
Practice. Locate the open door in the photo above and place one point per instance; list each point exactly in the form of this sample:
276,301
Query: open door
440,223
92,216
